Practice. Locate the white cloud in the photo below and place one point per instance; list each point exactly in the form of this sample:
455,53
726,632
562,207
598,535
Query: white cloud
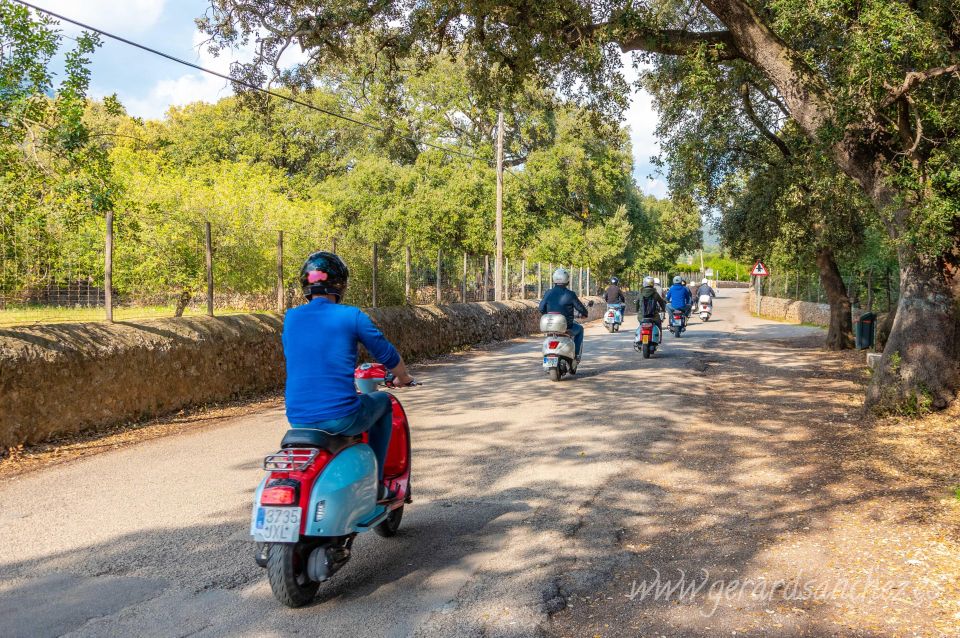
197,86
126,16
194,86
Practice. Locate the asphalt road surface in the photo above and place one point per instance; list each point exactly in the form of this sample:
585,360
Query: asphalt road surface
151,539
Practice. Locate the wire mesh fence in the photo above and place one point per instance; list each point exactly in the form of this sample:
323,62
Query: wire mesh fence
161,265
871,289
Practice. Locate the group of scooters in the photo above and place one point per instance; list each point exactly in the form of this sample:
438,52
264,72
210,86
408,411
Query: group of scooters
558,346
647,338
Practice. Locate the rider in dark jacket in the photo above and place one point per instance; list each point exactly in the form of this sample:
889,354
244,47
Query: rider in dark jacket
650,304
704,289
613,294
563,300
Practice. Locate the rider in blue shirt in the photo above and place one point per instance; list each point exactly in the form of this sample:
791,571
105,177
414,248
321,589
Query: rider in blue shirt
678,296
320,341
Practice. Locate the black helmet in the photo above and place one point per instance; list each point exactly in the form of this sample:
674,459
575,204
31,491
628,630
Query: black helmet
615,281
324,274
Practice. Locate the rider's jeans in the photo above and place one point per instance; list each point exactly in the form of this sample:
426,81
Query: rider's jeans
375,414
576,331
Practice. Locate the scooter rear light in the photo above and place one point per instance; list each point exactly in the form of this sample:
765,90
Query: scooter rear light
646,329
279,495
553,344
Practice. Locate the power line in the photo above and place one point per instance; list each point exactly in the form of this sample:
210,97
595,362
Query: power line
244,83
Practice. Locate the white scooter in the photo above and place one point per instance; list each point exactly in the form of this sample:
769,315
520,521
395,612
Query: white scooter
613,317
559,350
706,307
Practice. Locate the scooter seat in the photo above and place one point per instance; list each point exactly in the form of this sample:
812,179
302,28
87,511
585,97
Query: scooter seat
307,437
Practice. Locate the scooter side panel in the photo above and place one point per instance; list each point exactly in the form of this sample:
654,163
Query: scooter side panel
348,488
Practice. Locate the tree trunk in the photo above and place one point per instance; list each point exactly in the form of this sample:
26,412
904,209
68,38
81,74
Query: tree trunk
919,368
840,334
182,302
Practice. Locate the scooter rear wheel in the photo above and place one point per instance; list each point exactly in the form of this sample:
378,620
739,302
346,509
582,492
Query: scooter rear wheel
287,572
555,374
390,524
645,350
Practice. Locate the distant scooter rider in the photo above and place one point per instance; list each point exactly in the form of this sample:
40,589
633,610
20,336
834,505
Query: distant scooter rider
613,294
679,297
563,300
650,304
704,289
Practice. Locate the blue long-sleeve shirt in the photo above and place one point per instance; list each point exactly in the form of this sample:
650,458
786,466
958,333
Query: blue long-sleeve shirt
320,346
678,296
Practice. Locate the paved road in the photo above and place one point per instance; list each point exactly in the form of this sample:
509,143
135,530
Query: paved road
151,539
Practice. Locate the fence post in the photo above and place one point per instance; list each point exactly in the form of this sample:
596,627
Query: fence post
333,245
539,282
523,279
506,278
486,276
209,249
406,275
463,288
588,280
281,293
870,290
108,268
373,275
439,269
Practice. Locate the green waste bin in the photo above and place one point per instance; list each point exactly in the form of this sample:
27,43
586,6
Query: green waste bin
865,330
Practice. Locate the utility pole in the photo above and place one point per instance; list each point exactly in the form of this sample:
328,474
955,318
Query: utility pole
498,260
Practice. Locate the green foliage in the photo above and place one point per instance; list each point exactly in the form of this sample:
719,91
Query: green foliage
251,169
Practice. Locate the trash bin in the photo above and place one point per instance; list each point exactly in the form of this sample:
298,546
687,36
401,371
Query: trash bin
865,330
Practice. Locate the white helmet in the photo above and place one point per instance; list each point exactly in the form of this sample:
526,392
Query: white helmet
677,279
704,282
561,276
647,281
656,281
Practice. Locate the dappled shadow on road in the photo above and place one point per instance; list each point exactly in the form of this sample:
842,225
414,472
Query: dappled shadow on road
747,493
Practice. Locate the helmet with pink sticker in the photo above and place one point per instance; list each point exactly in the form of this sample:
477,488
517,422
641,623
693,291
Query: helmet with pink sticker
324,273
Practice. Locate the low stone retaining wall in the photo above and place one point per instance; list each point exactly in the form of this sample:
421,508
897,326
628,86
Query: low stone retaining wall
64,378
790,310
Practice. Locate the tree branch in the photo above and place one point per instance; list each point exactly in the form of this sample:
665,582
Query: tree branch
758,123
913,79
720,44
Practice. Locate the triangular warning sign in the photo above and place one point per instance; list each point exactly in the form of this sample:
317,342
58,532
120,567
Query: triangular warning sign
759,270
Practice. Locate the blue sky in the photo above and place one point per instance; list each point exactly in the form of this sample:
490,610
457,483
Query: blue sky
148,85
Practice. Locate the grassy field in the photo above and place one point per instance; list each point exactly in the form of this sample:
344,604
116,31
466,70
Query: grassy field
31,315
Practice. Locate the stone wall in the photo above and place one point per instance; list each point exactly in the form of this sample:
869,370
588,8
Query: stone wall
790,310
64,378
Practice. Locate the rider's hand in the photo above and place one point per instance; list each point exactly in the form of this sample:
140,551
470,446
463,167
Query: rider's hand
401,381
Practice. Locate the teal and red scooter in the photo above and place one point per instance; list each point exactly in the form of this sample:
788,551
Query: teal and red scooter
319,493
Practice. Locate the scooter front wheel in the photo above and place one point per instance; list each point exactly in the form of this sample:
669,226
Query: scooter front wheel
287,571
391,524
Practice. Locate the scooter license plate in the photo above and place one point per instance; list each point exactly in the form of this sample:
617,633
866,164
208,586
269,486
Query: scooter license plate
550,362
276,525
645,339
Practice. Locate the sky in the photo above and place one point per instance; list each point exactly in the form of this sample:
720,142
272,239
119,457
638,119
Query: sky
148,85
